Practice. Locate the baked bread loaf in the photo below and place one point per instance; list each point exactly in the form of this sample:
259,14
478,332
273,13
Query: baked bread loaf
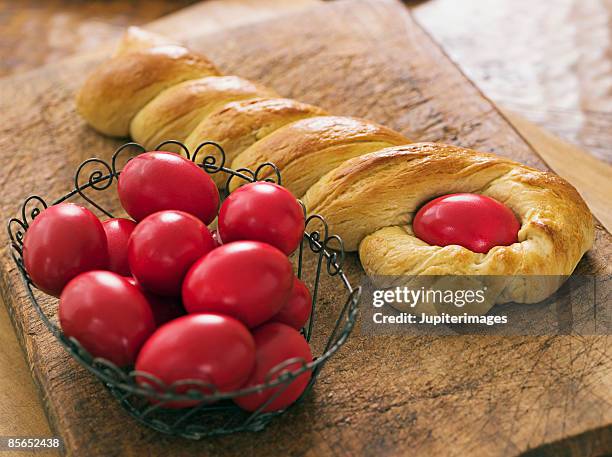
364,178
144,65
371,200
154,90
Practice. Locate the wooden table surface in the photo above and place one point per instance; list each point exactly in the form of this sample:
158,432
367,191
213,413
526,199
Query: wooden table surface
550,61
68,28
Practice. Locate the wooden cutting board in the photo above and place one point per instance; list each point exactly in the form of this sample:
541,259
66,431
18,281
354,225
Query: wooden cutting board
379,396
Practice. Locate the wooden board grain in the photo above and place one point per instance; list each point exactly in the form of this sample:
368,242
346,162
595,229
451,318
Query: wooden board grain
591,176
547,61
379,396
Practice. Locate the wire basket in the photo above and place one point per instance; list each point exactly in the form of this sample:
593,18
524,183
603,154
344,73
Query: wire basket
214,413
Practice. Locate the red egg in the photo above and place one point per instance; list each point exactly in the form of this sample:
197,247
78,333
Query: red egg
474,221
162,248
118,233
248,280
63,241
214,349
297,310
262,211
107,315
164,309
275,344
157,181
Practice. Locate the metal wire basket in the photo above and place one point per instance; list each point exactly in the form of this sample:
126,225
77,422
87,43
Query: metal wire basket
214,413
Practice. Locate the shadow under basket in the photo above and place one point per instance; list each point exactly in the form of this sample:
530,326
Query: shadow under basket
318,263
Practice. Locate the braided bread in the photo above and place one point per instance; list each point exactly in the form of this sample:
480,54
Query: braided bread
154,91
368,201
364,178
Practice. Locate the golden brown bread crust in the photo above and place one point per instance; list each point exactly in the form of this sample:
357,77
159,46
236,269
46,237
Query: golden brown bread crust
238,125
370,201
176,111
372,185
121,87
307,149
174,103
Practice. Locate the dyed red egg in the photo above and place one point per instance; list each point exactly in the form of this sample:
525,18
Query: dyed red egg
63,241
211,349
296,311
157,181
118,233
107,315
262,211
248,280
163,247
275,345
164,309
474,221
